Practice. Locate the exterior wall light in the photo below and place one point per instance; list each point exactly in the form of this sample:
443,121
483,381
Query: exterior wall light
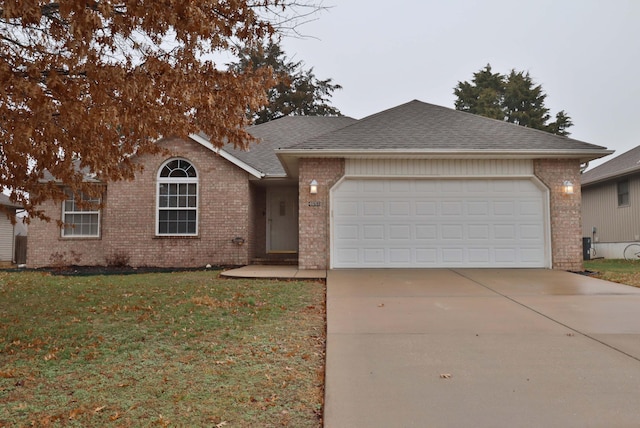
313,187
567,187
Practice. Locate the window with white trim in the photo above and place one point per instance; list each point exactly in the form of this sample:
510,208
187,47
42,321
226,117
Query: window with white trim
177,213
81,219
623,193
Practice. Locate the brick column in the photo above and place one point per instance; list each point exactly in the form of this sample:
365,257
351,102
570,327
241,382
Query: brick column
314,211
565,211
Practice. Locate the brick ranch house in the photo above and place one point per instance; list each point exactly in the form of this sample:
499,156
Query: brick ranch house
417,185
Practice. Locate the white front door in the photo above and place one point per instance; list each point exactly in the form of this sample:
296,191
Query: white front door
282,220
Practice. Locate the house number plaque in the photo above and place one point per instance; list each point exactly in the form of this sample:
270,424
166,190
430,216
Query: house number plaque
315,203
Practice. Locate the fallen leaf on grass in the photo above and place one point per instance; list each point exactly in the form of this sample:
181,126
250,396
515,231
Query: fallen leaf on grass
445,376
6,375
75,413
222,424
50,356
99,409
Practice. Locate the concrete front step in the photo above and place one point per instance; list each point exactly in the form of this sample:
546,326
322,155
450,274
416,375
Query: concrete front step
275,261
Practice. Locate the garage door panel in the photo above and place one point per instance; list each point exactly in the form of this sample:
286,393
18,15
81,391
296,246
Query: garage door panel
504,231
452,186
530,207
438,223
373,255
426,208
372,186
505,256
424,231
505,186
348,255
400,232
347,232
426,256
375,232
479,255
453,255
478,208
373,209
478,186
530,254
399,187
451,232
452,208
400,256
504,208
479,231
399,208
531,231
347,208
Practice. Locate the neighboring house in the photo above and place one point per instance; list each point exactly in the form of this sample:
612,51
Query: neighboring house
417,185
611,204
7,228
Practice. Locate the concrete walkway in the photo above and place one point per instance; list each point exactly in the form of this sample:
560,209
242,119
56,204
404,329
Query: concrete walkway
275,272
481,348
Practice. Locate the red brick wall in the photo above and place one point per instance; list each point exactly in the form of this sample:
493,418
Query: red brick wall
314,226
129,216
566,230
566,223
226,211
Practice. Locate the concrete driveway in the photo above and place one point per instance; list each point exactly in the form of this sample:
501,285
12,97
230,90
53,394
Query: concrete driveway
481,348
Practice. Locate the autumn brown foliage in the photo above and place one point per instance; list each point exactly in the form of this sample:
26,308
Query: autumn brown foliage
95,82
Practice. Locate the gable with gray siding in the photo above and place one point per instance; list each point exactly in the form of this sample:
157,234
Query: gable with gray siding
610,223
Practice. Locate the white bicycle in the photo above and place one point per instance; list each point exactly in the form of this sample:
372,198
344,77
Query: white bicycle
632,252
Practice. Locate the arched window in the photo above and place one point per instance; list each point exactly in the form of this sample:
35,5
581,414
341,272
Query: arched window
177,199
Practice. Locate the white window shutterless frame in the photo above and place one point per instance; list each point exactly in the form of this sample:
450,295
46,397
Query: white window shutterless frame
177,199
80,220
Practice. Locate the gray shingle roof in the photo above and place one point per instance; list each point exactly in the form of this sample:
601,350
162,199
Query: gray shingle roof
421,126
283,133
626,163
4,200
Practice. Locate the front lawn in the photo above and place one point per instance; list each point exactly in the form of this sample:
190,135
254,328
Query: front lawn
616,270
170,349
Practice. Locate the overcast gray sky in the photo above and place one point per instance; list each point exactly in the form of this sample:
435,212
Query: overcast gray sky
584,53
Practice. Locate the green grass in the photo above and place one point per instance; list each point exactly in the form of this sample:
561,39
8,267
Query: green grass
616,270
171,349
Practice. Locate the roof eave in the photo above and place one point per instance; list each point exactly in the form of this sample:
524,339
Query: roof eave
612,176
226,155
289,157
10,205
86,179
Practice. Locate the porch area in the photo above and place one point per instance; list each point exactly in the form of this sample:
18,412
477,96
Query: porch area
275,272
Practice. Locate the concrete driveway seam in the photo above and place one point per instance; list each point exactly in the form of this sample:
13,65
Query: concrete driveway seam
547,316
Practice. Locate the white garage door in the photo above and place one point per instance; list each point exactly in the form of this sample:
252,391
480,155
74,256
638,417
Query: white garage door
438,223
